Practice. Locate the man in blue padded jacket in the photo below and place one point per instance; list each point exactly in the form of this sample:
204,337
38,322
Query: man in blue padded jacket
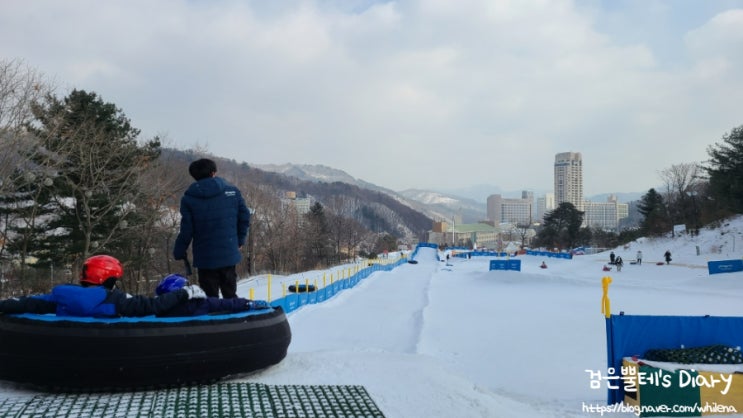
215,218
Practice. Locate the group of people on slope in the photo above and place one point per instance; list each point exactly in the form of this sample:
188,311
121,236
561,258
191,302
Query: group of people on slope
214,218
619,263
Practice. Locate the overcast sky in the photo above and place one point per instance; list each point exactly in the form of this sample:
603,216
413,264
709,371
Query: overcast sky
408,94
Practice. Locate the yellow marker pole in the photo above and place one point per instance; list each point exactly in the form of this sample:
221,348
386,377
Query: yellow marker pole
296,285
306,285
605,303
251,294
283,289
268,288
323,281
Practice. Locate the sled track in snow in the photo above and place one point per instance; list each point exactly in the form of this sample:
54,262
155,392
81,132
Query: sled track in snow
420,313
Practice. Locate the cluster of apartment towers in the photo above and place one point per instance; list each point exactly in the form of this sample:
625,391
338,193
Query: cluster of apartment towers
507,217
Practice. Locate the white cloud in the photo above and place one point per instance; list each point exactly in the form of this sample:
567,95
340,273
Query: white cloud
402,94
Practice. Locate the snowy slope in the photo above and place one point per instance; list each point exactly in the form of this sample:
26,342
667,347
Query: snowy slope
438,340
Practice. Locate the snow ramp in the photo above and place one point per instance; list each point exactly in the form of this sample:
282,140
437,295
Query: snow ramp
425,252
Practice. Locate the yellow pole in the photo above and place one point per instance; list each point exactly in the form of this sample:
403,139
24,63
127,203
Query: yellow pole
251,294
268,288
605,303
283,289
306,285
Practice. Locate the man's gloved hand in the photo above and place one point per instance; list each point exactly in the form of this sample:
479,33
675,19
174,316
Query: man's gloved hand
254,305
195,292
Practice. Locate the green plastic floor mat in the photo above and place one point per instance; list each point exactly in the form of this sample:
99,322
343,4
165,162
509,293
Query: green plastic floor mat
229,400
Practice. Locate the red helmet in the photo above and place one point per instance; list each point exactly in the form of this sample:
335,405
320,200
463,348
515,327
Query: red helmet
99,268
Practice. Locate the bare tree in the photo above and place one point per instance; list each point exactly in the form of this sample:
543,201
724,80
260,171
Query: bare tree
524,230
151,231
682,182
20,85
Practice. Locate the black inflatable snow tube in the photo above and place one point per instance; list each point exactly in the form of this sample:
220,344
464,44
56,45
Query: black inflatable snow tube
302,288
101,354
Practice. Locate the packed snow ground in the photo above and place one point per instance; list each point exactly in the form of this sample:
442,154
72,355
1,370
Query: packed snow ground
452,339
446,339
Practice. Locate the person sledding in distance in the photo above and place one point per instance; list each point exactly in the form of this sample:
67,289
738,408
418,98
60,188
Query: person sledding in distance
543,266
97,295
204,306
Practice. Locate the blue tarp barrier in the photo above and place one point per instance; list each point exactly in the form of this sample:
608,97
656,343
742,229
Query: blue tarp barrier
633,335
724,266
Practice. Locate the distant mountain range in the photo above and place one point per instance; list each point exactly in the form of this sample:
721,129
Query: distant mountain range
322,173
435,205
469,202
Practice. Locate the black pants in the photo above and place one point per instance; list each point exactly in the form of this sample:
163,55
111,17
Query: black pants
220,279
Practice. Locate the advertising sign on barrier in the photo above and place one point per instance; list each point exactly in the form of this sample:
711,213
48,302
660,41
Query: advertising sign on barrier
505,265
724,266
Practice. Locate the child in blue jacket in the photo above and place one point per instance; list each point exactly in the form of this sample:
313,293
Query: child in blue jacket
203,306
97,295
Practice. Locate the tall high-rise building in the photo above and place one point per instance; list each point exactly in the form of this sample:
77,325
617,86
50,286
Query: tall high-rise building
569,179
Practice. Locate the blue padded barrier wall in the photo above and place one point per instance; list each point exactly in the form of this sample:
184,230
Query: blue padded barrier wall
633,335
567,256
724,266
294,301
482,254
505,265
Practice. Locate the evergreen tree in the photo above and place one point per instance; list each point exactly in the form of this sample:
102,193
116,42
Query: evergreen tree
317,236
653,208
25,211
725,171
562,227
91,152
